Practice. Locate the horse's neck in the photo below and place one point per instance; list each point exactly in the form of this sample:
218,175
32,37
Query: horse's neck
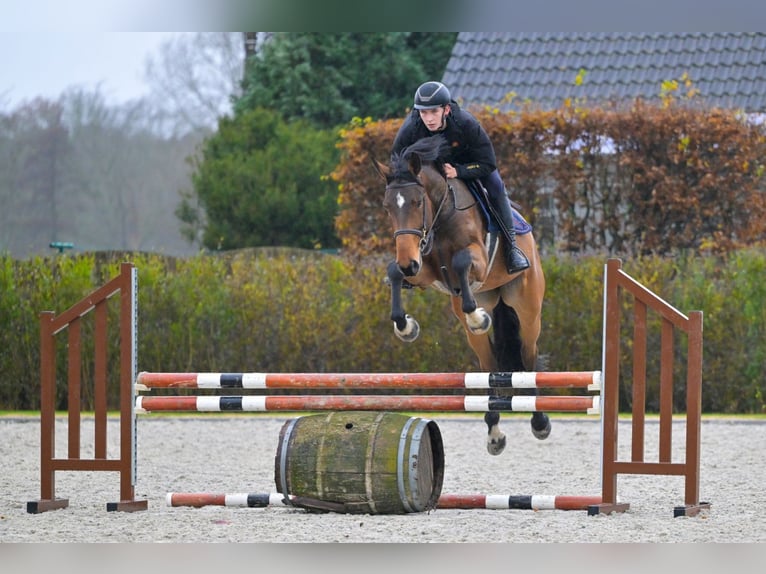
437,188
453,204
460,198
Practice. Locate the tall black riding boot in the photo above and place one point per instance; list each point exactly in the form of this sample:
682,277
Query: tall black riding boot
515,260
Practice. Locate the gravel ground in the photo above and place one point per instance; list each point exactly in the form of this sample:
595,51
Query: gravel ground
236,454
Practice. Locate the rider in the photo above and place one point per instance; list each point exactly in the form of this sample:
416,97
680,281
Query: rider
471,155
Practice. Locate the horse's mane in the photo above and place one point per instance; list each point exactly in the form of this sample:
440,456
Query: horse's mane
429,149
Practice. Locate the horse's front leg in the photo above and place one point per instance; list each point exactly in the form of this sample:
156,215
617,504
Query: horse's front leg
405,327
477,319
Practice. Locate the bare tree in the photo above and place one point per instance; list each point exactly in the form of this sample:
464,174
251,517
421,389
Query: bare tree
34,150
81,171
128,178
193,78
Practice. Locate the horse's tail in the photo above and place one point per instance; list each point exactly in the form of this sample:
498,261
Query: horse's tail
506,339
506,345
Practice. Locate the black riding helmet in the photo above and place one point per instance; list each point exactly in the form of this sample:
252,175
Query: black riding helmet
431,95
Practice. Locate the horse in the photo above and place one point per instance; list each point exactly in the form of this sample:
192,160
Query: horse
443,241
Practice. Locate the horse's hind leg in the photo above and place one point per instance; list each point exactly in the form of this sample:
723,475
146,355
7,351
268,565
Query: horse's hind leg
515,345
541,425
540,422
495,437
481,345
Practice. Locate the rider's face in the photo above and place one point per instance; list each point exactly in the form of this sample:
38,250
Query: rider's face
434,118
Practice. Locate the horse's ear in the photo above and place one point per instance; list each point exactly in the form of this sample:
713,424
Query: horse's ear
415,164
382,169
439,165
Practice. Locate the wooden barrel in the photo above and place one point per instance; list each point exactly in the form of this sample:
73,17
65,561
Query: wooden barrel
360,462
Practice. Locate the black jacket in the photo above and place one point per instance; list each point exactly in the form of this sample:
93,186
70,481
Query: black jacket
471,150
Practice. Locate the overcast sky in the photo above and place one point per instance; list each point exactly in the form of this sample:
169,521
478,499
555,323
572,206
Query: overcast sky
47,46
47,63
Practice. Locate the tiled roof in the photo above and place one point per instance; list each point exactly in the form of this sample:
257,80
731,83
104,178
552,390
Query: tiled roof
728,69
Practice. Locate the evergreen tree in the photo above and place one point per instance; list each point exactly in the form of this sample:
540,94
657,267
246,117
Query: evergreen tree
260,181
330,78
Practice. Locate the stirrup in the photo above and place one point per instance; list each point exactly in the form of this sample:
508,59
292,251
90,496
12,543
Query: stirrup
516,260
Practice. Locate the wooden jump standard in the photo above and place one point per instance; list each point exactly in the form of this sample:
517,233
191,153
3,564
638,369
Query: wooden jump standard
71,320
616,281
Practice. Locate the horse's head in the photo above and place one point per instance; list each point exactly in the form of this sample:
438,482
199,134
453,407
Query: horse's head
414,178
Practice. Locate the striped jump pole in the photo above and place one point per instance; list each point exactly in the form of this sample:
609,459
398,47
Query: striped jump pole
516,502
446,501
414,403
237,499
518,380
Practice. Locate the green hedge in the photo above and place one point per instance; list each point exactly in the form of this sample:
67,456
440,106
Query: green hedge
282,310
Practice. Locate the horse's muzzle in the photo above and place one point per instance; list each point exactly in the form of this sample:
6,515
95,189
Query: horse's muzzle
412,269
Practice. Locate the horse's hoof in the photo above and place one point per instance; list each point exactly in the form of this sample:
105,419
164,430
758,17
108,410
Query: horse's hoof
496,445
409,338
410,332
479,321
543,433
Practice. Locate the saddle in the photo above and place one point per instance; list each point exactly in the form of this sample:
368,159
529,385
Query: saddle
520,225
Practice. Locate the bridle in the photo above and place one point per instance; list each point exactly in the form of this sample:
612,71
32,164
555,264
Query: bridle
426,233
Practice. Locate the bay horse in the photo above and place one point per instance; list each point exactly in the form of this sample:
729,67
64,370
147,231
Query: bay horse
443,241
